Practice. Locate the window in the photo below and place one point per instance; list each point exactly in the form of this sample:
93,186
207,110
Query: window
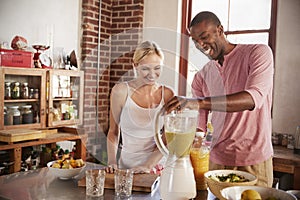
247,21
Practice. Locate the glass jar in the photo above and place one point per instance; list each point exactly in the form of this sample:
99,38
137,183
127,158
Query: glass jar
275,139
15,93
291,142
7,94
36,94
284,141
5,116
199,156
27,115
25,91
14,115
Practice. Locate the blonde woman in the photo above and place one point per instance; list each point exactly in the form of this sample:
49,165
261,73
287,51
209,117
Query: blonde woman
133,106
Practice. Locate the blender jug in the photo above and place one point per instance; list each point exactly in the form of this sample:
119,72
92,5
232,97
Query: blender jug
177,180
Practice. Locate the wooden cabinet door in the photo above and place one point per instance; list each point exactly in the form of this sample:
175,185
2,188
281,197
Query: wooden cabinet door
65,99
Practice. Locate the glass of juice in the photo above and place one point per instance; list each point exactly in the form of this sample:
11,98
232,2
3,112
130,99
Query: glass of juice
200,162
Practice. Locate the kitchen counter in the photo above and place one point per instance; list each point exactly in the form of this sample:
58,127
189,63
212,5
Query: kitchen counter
41,184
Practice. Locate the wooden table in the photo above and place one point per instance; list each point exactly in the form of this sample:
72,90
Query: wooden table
286,161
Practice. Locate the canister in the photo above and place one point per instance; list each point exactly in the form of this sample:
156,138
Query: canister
14,115
27,115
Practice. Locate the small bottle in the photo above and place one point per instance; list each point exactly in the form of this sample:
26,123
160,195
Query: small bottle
36,94
31,92
7,94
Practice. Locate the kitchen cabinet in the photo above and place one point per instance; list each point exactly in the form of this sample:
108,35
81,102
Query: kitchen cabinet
57,101
36,80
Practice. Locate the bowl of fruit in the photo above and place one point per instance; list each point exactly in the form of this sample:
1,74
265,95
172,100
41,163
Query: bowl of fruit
66,168
255,192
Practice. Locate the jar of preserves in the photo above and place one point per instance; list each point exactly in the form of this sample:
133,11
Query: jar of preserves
7,94
14,115
27,115
25,91
15,92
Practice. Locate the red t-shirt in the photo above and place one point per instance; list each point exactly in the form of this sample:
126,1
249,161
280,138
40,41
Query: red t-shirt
239,138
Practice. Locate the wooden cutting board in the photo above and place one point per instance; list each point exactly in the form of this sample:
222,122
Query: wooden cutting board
16,135
141,182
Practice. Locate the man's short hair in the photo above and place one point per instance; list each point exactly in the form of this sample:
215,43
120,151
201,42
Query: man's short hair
205,16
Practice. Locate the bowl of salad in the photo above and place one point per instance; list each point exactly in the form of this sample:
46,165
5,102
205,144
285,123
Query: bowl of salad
219,179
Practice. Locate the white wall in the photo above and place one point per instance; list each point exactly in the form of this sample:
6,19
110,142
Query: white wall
286,111
162,22
53,22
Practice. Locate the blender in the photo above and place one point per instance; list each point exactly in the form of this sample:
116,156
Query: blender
177,180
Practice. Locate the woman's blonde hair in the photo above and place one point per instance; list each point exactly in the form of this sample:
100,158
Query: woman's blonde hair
146,48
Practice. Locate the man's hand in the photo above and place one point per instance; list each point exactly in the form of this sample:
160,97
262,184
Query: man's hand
180,102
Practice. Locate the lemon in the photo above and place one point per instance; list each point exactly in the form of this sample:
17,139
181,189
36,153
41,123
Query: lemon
250,195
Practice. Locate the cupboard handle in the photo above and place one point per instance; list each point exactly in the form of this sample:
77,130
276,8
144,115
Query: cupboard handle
42,112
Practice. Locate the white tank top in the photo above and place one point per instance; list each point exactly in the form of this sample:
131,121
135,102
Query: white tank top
137,131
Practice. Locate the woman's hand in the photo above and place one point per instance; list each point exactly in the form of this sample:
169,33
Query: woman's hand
111,168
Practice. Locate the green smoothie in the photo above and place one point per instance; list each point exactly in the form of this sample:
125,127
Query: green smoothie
179,144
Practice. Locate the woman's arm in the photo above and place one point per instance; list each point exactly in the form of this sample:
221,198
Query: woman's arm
117,100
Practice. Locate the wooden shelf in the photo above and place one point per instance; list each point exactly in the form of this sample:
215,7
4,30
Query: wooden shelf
50,140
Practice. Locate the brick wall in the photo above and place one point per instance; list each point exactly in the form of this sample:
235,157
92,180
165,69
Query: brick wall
120,32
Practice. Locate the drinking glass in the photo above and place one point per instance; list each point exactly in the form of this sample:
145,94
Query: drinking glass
123,182
95,179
